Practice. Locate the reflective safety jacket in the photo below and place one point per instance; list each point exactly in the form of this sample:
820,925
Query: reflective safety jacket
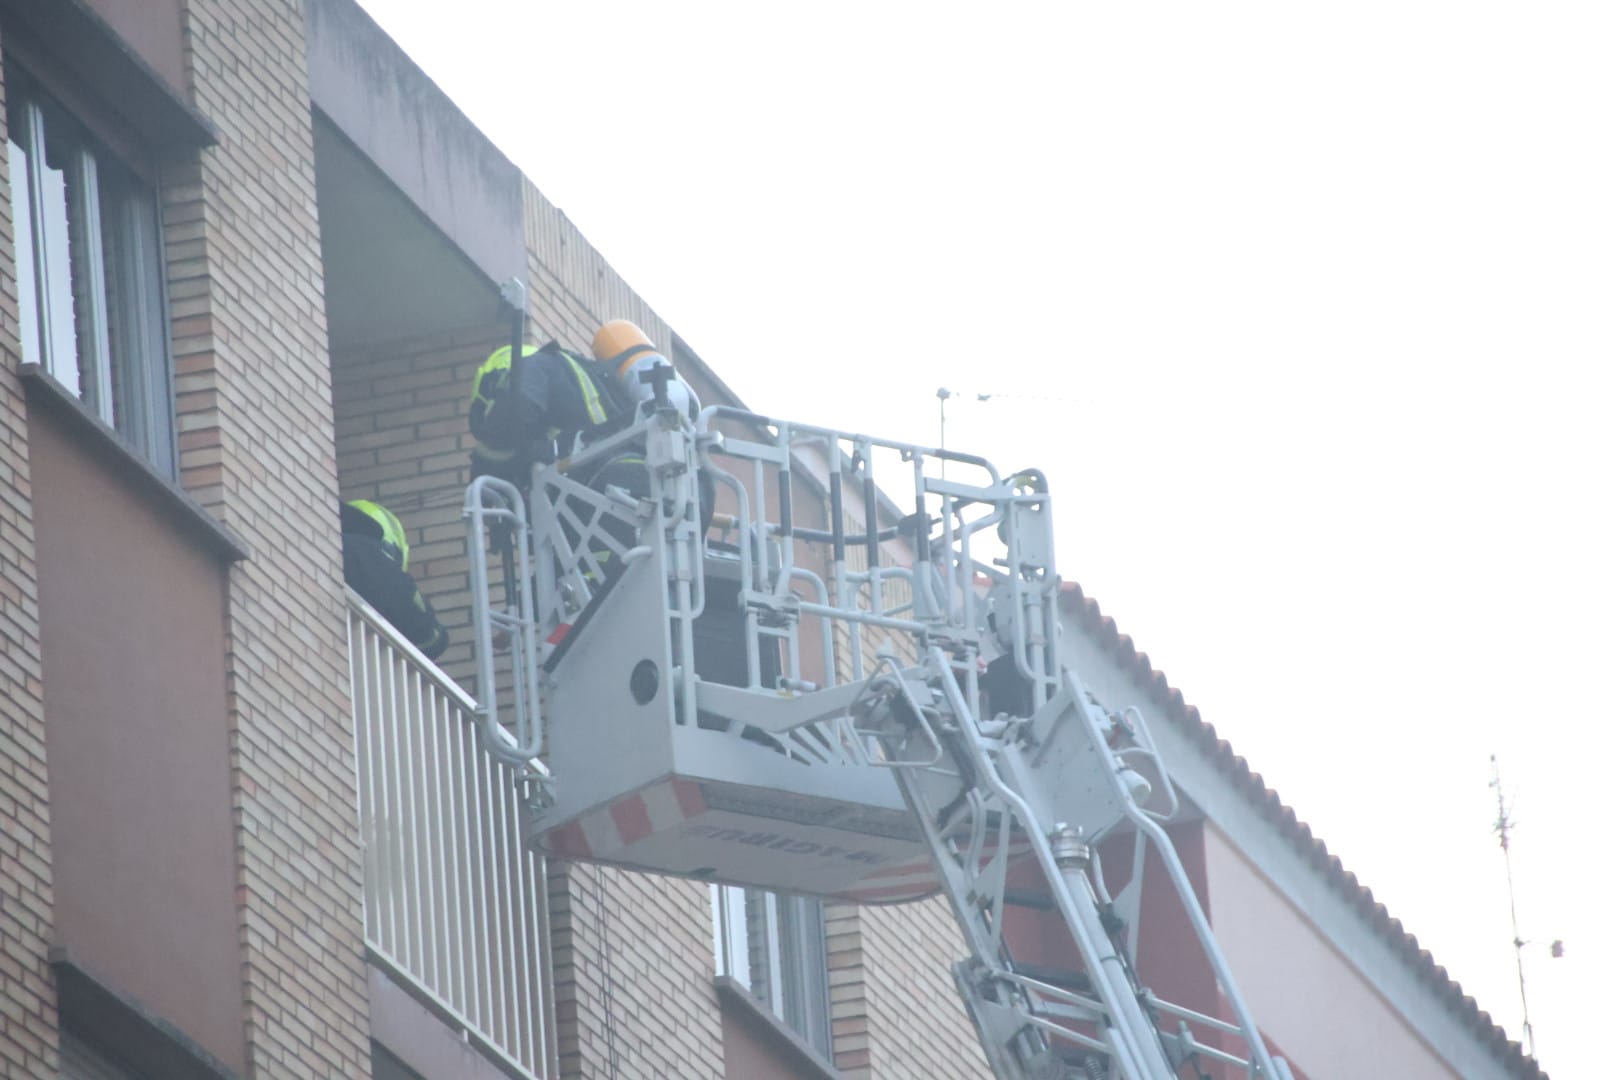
375,560
519,412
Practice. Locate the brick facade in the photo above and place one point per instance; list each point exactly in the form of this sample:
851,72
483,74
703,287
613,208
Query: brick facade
402,440
895,1009
271,430
573,290
634,966
28,1023
255,421
633,953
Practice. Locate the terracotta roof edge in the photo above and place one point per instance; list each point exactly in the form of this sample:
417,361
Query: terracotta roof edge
1073,600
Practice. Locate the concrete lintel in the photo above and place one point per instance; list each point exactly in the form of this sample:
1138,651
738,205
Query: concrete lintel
388,107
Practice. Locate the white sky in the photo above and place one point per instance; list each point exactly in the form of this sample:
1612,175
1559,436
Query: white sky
1308,311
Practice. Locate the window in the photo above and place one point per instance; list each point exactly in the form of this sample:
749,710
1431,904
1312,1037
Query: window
776,947
89,272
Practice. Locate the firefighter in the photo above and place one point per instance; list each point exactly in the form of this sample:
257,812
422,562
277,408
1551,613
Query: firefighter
552,400
519,412
376,561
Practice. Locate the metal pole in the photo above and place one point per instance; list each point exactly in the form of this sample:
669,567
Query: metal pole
1502,827
516,297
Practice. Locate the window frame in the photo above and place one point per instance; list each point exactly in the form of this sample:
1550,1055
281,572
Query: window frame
774,945
129,387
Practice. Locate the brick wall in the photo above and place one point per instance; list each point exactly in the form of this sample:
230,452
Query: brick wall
28,1037
634,960
255,420
633,953
573,290
402,440
633,957
895,1011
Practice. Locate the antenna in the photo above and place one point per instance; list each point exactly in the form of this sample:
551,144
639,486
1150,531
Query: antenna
1502,828
945,394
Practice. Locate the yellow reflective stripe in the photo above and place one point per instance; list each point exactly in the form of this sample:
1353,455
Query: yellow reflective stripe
587,390
499,360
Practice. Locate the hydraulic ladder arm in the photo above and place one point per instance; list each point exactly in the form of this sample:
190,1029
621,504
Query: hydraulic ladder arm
776,781
1045,789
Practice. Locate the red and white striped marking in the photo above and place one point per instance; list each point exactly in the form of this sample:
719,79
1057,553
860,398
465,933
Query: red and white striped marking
607,830
610,832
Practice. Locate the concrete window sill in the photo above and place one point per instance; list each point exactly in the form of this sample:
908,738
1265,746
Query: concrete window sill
794,1048
92,1008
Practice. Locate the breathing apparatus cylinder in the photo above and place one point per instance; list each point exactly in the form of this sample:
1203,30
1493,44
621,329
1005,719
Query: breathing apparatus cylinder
626,348
629,352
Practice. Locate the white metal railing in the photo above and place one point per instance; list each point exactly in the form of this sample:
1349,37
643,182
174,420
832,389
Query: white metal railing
455,905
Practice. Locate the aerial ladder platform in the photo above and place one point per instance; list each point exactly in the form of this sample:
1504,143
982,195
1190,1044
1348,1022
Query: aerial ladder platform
754,668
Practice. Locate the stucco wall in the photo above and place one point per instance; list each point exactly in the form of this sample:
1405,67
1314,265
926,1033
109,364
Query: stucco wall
151,30
133,615
1316,1008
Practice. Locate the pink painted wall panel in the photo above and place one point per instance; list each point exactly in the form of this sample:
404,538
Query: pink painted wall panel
152,30
1305,995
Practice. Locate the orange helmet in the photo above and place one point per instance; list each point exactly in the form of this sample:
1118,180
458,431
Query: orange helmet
619,342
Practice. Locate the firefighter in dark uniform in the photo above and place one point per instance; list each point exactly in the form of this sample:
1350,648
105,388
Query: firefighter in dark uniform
520,411
376,561
538,409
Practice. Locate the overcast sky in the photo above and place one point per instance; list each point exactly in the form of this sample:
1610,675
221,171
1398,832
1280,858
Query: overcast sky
1308,311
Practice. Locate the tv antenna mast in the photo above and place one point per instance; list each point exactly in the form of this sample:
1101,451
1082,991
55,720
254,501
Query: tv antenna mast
945,394
1503,826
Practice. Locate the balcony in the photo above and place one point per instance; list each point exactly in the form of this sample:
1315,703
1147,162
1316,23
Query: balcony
455,908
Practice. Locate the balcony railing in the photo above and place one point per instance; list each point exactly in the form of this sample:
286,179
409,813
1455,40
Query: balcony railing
455,906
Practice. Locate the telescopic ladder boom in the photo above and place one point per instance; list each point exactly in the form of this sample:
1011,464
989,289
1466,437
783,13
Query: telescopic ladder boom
841,741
